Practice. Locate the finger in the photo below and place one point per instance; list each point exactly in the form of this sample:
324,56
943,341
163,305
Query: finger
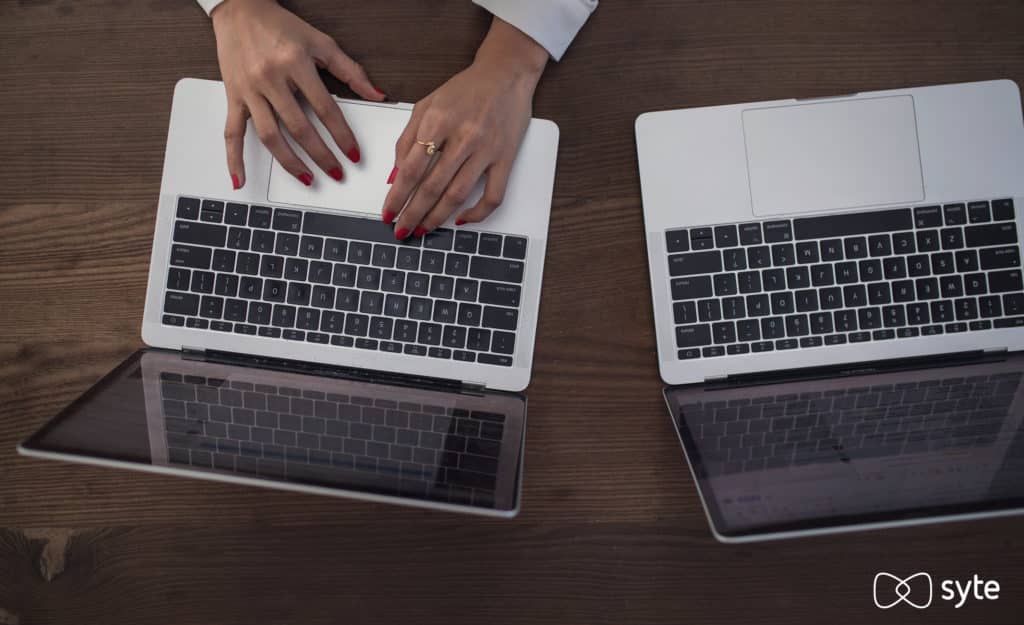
433,187
406,177
329,56
458,191
408,137
270,134
494,195
302,130
327,111
234,142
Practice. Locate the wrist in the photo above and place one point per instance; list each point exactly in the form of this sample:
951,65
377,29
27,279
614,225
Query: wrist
511,50
227,8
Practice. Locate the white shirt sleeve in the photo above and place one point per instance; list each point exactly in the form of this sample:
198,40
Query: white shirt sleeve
551,23
209,5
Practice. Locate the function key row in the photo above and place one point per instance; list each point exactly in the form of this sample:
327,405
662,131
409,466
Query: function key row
826,226
342,226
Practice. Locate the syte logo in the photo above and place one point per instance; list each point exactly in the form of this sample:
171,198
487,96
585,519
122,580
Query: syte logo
917,590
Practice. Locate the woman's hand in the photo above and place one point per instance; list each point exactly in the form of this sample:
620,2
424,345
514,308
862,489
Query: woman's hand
477,120
266,55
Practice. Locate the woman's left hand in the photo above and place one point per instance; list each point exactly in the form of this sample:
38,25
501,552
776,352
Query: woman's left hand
477,120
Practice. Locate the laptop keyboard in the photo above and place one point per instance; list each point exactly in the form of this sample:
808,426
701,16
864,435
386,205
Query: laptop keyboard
447,453
850,278
332,279
837,426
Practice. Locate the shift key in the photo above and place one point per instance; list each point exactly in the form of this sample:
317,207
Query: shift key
695,263
486,268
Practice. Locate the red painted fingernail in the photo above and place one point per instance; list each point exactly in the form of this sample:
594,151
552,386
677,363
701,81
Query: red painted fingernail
353,155
388,217
419,231
336,173
379,92
394,172
401,233
235,184
460,222
306,178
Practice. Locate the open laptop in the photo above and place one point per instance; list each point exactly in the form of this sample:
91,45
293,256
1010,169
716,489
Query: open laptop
851,247
299,345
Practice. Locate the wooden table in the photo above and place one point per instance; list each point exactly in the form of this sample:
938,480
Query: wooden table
611,529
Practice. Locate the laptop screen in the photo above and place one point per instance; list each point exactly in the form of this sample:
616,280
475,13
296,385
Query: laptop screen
160,411
864,449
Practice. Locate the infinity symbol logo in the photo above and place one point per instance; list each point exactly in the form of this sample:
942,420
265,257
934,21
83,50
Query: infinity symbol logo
901,589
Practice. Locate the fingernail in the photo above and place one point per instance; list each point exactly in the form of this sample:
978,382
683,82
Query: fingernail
401,233
419,231
306,178
235,184
336,173
379,92
388,217
394,172
460,222
353,155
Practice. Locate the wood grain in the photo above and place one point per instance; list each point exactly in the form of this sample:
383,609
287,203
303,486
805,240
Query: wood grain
611,529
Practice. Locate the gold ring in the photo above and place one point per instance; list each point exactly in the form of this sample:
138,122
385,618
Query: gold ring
430,145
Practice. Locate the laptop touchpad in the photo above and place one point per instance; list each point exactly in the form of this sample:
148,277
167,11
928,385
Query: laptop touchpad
833,155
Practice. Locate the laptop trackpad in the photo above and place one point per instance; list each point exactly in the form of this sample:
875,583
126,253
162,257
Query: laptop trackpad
833,155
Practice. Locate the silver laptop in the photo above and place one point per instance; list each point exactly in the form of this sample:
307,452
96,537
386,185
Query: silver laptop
808,241
300,345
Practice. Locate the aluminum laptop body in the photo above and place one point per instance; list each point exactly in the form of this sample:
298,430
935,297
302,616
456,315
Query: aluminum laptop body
800,249
295,344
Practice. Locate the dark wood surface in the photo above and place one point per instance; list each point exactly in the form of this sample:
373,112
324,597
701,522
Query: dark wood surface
611,529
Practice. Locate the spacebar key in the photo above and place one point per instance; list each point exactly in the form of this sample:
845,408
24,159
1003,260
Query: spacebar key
853,223
342,226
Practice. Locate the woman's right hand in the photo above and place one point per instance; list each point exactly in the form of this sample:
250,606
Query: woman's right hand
267,55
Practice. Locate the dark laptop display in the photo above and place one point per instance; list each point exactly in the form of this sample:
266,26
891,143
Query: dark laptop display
163,411
857,449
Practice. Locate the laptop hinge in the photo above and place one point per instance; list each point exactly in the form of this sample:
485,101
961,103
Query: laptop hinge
333,371
858,368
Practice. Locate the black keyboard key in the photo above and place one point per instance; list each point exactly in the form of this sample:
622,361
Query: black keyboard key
296,269
509,294
311,247
445,312
797,325
748,282
951,286
287,220
878,293
469,314
927,288
855,295
490,244
396,305
178,279
283,316
832,250
999,257
735,259
235,214
287,244
725,284
846,272
263,241
894,268
429,334
223,260
759,257
384,255
966,309
758,305
918,265
852,224
928,216
903,291
942,311
870,270
359,253
903,243
506,270
442,287
344,275
869,318
952,238
975,284
855,247
748,330
943,263
821,323
515,247
732,308
405,331
467,291
750,234
454,337
500,318
1011,322
200,233
191,256
381,327
956,214
320,272
247,264
188,208
991,234
234,310
407,258
1005,281
368,278
259,313
307,319
677,241
990,305
345,227
724,332
494,359
239,238
822,275
192,322
1013,304
440,239
806,300
778,231
773,279
783,254
709,310
335,249
918,314
928,240
879,245
271,266
356,325
181,304
978,212
798,278
478,339
893,316
845,320
260,216
392,281
202,281
457,264
1002,210
465,242
726,236
371,303
773,327
830,298
807,252
693,335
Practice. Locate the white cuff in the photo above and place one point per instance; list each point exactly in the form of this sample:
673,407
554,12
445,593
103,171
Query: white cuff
209,5
551,23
